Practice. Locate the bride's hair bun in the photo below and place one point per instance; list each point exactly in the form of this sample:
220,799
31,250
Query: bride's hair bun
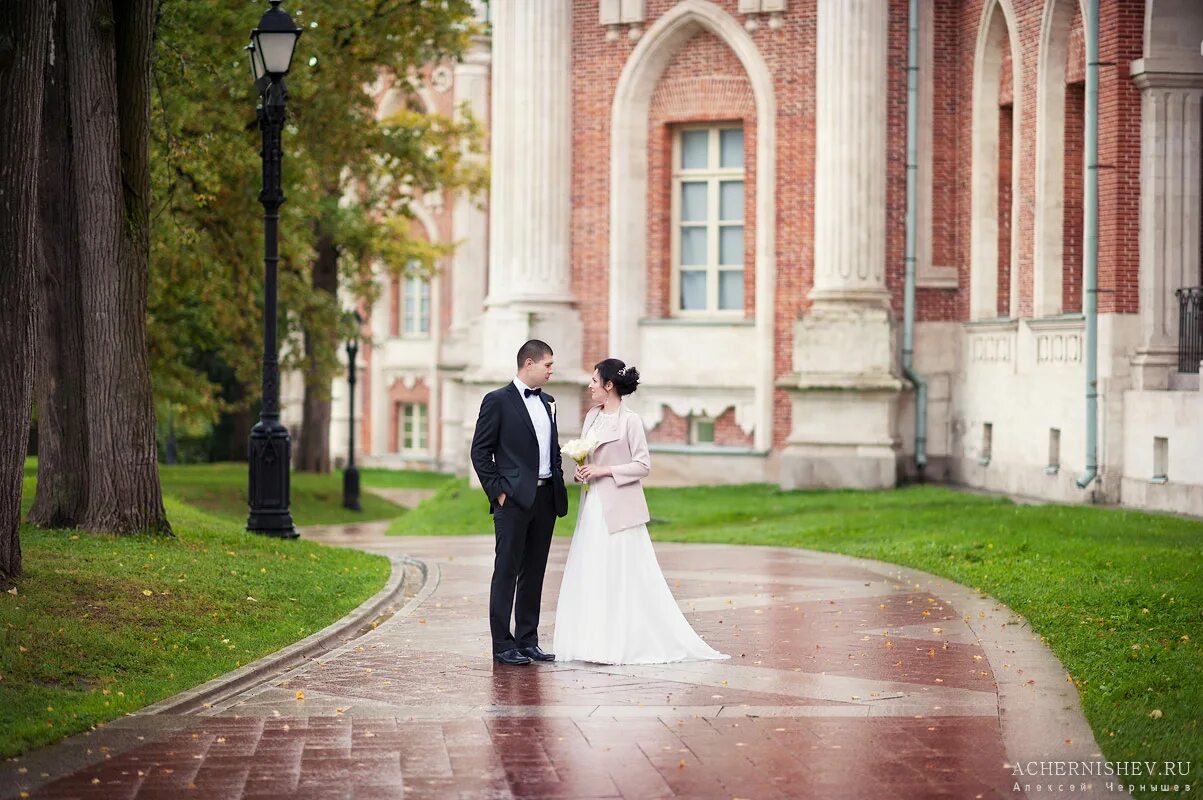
624,378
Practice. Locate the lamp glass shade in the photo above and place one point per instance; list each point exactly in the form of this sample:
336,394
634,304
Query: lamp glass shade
275,49
257,68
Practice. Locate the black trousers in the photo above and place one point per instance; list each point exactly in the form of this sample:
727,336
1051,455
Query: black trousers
523,542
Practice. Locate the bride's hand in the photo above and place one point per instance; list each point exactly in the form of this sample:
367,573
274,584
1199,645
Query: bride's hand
590,471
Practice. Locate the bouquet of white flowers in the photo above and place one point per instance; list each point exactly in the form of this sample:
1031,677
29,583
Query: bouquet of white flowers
580,449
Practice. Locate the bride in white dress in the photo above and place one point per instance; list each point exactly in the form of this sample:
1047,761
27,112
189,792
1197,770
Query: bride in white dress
615,606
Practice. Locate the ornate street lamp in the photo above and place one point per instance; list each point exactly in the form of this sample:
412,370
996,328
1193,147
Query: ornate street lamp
271,48
351,475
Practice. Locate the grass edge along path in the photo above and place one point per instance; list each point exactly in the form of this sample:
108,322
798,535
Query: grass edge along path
101,626
315,498
1116,594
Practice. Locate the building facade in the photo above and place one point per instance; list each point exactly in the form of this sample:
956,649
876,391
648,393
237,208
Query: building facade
716,193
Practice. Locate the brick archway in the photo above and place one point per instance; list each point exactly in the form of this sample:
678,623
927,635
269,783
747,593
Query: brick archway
629,184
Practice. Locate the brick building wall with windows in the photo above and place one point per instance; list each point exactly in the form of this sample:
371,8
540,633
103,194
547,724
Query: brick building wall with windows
757,378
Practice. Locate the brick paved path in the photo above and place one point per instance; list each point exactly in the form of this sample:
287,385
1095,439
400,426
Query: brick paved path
847,679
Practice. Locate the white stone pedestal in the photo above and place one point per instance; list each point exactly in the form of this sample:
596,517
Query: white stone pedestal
844,402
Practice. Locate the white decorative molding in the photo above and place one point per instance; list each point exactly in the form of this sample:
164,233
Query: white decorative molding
691,402
773,9
1058,339
1054,348
616,13
629,187
433,201
408,380
992,341
441,78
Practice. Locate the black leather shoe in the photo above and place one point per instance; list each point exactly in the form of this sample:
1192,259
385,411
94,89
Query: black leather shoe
535,654
512,657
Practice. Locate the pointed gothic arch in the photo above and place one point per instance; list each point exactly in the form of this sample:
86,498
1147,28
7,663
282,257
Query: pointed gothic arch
629,184
1050,156
997,30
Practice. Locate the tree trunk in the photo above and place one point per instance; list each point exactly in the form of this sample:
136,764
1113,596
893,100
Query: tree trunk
109,76
62,492
314,452
24,40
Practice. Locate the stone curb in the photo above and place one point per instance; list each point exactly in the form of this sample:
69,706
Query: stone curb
163,718
327,639
431,577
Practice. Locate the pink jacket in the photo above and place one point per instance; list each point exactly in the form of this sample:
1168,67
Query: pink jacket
625,452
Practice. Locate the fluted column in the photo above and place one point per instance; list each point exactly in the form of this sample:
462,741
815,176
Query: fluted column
530,199
843,390
1169,216
850,168
471,223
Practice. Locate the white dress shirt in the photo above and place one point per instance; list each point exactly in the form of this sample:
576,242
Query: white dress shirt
542,422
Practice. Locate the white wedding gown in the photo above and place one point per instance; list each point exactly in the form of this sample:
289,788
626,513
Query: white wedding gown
615,606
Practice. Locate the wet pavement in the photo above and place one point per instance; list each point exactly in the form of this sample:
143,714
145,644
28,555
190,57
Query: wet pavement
848,679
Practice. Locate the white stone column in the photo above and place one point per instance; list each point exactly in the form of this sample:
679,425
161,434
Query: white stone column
843,391
850,151
530,200
470,222
1170,144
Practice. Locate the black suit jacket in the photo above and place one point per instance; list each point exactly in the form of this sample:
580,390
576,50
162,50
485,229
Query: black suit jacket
505,450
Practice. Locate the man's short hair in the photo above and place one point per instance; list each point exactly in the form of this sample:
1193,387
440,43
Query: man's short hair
535,349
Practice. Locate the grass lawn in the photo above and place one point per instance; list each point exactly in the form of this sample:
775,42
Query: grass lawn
1118,595
221,489
102,625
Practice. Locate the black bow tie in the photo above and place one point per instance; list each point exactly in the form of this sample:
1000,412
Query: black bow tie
529,392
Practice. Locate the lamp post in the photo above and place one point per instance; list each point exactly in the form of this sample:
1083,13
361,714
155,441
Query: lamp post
351,474
270,449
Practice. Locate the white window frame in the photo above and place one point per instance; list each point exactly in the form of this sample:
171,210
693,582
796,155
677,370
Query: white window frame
417,325
417,440
694,424
713,175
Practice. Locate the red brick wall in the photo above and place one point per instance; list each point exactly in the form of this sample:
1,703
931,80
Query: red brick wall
948,169
1121,28
790,55
727,433
1121,23
674,429
394,306
1071,220
1006,126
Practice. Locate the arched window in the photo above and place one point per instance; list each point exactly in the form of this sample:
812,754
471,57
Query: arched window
997,120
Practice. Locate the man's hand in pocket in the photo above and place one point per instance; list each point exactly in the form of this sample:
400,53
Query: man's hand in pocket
501,499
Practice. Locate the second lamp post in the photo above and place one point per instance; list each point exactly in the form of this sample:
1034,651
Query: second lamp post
351,474
270,450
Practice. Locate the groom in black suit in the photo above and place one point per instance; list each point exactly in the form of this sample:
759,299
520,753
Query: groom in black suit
516,454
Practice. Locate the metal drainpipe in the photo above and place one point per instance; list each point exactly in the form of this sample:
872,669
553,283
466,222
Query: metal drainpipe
1090,265
908,314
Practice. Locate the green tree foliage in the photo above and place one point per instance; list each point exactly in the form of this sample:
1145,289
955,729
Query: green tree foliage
348,177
